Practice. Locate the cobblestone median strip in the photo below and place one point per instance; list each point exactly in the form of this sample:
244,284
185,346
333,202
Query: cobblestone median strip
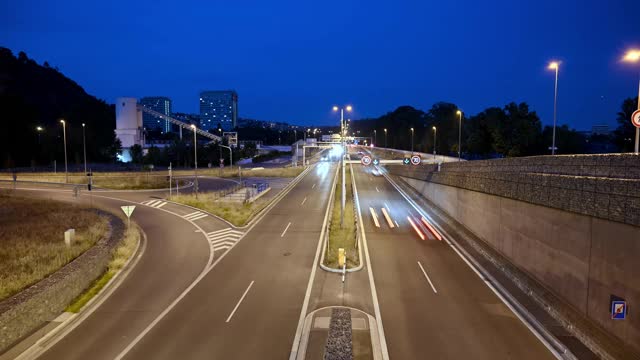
339,342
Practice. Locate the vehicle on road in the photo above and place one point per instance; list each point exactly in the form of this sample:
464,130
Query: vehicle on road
375,172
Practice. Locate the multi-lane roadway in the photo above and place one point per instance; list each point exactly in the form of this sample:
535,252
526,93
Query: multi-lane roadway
202,289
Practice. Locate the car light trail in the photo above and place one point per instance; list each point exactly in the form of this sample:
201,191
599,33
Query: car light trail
433,231
416,228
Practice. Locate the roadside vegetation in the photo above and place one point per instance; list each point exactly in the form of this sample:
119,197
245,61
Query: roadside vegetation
32,239
150,180
342,236
121,255
238,214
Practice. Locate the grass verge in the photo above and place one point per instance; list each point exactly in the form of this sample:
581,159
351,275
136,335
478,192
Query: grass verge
342,236
236,213
120,256
32,238
108,180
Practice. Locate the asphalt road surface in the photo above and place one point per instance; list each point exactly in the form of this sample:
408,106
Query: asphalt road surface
433,305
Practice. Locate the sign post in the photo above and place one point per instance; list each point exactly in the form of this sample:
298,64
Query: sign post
128,210
635,120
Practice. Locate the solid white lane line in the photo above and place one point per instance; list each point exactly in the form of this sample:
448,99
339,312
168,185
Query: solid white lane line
377,189
428,279
375,217
314,185
302,203
285,230
396,223
239,301
386,216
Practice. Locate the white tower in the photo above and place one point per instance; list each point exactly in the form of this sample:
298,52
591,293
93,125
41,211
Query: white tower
128,125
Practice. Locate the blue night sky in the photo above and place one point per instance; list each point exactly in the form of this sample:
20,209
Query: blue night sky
292,60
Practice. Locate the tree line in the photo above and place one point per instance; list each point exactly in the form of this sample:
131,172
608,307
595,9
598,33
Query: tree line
508,131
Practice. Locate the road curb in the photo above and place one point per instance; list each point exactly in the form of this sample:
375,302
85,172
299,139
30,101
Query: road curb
358,224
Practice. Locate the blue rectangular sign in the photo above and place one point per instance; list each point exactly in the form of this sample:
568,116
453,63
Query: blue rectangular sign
618,310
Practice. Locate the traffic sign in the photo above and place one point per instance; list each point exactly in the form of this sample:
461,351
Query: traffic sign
366,160
406,161
618,309
128,210
415,160
376,162
635,118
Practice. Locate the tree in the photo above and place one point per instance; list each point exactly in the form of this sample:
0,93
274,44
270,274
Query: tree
624,135
136,154
568,141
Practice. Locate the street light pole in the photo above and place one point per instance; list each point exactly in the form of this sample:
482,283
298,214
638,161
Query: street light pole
435,131
385,138
634,57
459,133
344,156
411,141
375,135
64,135
554,66
84,149
195,158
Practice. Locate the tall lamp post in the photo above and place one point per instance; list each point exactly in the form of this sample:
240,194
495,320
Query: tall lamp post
375,136
435,132
84,149
385,137
39,131
411,141
459,133
344,155
633,56
64,136
554,65
195,158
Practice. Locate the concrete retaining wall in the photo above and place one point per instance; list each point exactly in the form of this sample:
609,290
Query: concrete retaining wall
580,258
25,312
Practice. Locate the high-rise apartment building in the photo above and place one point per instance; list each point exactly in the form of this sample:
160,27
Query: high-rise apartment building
160,104
218,108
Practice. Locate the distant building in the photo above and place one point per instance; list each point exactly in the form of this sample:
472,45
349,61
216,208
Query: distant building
192,119
218,108
160,104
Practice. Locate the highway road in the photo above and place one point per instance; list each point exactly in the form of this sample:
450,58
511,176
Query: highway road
180,301
248,306
433,305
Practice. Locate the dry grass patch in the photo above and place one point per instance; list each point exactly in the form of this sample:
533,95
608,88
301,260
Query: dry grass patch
108,180
236,213
342,236
32,239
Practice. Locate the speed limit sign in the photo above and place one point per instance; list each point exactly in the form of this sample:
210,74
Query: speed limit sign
635,118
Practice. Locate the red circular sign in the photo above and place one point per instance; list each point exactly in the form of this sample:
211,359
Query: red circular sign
635,118
366,160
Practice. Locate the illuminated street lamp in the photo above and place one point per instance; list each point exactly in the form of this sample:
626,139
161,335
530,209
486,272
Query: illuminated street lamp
385,137
554,65
39,130
459,132
435,131
64,135
344,154
195,158
412,141
633,56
